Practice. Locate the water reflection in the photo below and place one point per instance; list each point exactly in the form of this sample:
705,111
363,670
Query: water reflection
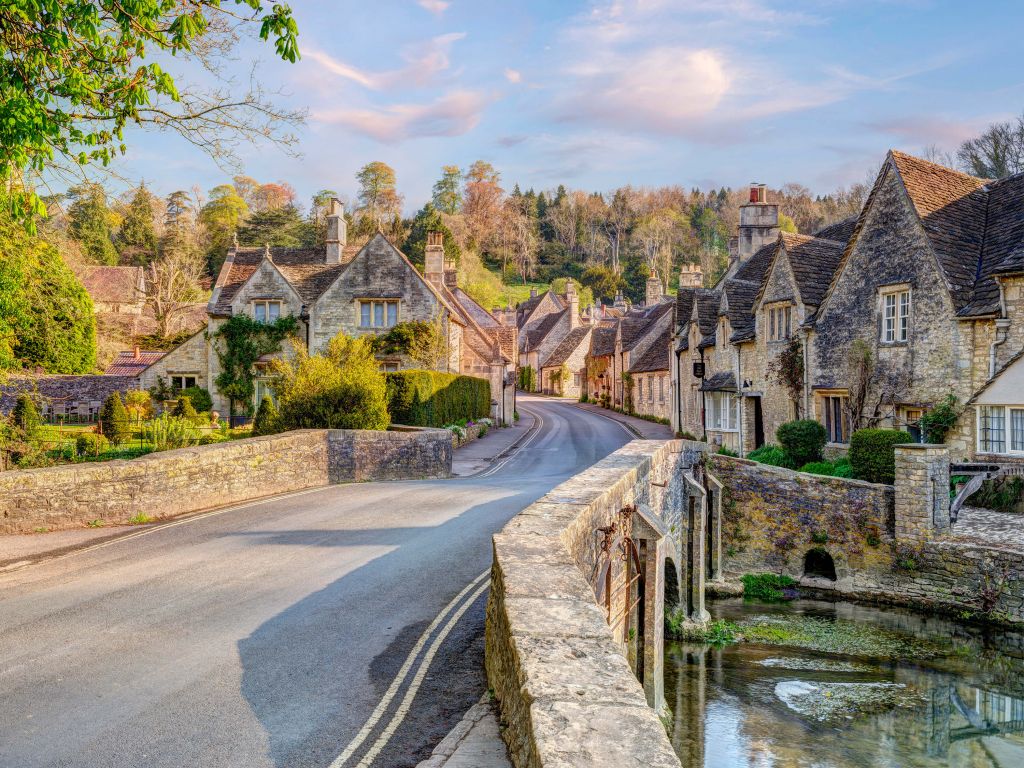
756,706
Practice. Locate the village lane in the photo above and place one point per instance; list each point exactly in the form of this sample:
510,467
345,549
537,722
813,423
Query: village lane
308,630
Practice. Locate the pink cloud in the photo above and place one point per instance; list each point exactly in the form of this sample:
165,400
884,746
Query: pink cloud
453,114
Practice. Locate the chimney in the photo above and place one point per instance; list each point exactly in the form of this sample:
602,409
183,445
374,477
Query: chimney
574,304
533,293
137,353
337,231
653,295
759,223
433,266
620,301
690,276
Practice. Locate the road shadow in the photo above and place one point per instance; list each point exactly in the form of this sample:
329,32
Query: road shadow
313,673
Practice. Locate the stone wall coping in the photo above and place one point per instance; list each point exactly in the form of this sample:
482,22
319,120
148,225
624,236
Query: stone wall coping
801,476
922,446
566,690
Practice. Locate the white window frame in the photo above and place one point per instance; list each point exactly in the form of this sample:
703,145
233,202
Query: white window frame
896,304
390,366
266,305
261,387
719,405
389,312
1012,439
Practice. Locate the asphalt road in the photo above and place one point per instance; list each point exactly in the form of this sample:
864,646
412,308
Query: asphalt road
270,635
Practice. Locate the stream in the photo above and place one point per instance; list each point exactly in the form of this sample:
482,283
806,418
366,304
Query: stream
838,685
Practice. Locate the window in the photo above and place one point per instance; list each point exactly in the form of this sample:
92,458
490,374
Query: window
378,313
262,389
266,311
650,390
639,390
180,381
661,389
895,316
780,320
388,366
721,415
576,379
1001,429
835,418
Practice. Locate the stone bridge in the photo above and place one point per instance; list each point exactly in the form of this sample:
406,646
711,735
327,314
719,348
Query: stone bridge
581,579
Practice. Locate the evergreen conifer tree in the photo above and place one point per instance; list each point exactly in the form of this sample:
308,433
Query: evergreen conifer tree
266,420
114,422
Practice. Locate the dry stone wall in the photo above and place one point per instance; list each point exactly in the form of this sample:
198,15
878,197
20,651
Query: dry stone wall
192,479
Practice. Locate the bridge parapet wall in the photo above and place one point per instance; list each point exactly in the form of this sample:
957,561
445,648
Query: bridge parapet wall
560,662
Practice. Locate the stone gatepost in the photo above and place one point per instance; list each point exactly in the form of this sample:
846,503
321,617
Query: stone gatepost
922,491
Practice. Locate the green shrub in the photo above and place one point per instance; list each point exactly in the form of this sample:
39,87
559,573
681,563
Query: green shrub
25,415
771,455
184,409
213,437
819,468
114,422
843,468
139,404
432,399
200,397
803,441
686,436
91,444
939,420
872,456
766,586
527,379
343,388
724,450
267,417
167,432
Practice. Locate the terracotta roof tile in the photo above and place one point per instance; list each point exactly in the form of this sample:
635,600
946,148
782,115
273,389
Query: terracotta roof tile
127,364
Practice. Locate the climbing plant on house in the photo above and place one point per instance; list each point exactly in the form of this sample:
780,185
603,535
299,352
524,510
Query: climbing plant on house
788,370
240,343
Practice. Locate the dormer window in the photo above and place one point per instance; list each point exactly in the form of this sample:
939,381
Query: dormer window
266,311
780,319
895,315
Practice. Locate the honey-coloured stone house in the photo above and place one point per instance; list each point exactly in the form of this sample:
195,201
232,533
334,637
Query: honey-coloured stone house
357,291
929,279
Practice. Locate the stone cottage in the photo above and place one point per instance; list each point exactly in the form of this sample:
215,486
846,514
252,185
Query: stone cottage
917,299
357,291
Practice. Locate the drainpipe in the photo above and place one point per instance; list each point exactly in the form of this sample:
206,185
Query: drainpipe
304,317
807,374
739,400
1002,331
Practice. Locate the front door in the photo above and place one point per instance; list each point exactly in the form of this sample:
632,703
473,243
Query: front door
758,423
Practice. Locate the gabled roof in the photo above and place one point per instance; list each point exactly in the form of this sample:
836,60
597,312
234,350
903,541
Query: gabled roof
572,341
656,358
684,305
756,267
132,364
739,298
480,316
1002,369
813,261
638,322
602,342
538,334
706,309
113,285
1003,251
303,268
952,207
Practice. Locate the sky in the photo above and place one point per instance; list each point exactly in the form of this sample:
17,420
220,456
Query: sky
600,94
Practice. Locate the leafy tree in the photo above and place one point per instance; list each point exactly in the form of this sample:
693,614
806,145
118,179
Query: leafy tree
199,398
318,215
25,415
271,196
89,219
278,226
267,418
75,73
429,219
585,293
602,282
786,223
136,237
379,200
447,195
997,153
46,316
341,389
184,409
634,276
221,217
114,422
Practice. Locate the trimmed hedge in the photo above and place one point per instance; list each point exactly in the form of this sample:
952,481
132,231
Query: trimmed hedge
430,399
803,440
872,456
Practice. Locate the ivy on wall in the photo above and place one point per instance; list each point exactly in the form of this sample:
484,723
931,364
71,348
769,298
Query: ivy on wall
240,343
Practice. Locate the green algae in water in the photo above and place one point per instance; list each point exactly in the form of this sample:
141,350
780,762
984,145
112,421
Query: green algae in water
837,702
817,665
836,636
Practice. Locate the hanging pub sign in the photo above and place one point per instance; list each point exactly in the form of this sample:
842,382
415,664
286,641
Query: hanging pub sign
698,370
